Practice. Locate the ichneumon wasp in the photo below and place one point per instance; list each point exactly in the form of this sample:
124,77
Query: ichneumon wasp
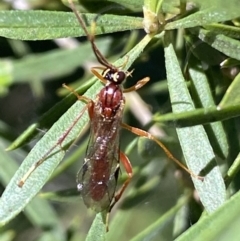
97,179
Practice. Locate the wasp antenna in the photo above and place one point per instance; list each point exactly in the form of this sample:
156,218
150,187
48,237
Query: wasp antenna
101,59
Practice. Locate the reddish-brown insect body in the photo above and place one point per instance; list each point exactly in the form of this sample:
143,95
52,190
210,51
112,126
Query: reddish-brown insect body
97,179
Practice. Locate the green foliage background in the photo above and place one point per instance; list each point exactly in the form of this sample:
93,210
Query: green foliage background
192,58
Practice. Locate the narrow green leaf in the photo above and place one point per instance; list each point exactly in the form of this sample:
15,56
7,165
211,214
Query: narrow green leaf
216,131
217,11
42,25
221,225
222,43
232,95
23,138
97,230
14,199
230,31
233,170
195,145
199,116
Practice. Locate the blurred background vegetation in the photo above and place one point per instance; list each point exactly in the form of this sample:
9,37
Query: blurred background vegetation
161,199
